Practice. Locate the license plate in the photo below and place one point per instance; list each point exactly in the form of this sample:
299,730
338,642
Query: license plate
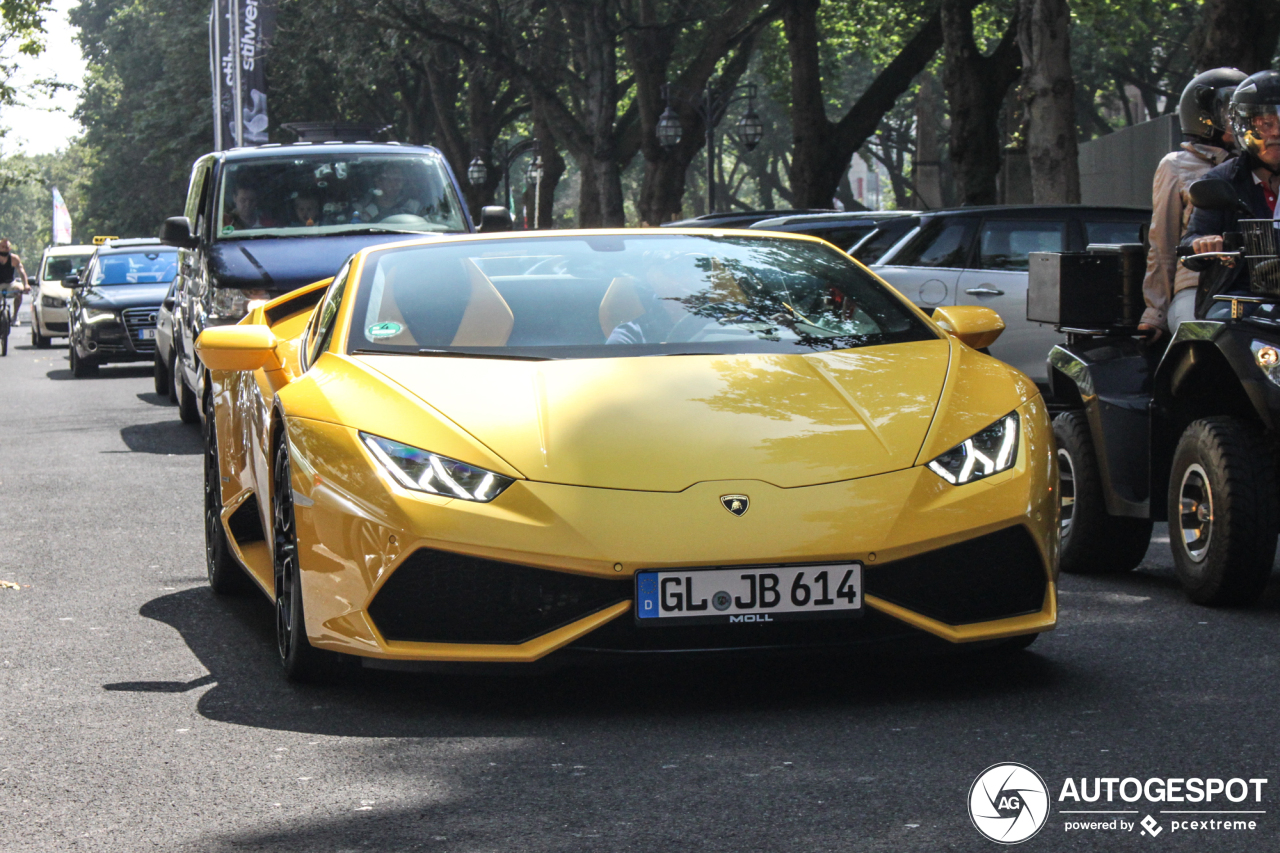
749,594
146,334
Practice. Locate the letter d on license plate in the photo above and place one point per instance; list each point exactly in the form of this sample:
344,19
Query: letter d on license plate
749,594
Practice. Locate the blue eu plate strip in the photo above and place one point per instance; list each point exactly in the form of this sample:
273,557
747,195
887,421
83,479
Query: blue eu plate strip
647,595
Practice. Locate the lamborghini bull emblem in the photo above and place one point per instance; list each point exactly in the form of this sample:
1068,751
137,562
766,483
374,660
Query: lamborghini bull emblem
736,504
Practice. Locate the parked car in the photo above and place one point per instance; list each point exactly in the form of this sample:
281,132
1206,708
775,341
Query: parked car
114,305
162,370
49,300
845,230
260,222
452,453
978,256
735,218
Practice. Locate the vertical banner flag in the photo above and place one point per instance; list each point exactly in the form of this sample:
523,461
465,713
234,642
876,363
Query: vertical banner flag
240,33
61,220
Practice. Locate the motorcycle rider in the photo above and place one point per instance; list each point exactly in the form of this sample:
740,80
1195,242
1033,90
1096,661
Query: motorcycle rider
1255,175
1169,290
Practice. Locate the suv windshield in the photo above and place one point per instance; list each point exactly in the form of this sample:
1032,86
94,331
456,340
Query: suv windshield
58,267
135,268
613,295
316,194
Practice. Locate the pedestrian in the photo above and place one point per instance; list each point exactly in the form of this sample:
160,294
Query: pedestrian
12,276
1168,289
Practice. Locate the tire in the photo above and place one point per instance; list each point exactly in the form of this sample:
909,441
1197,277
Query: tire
302,662
188,408
160,373
1223,511
1093,541
4,334
226,577
38,340
82,367
172,391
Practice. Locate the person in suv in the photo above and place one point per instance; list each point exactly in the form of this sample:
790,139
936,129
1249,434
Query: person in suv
242,236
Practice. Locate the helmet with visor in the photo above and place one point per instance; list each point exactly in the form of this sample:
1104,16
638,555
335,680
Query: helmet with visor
1255,116
1205,103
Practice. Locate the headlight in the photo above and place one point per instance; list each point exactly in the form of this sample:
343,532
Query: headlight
233,303
424,471
52,302
989,452
1268,358
98,315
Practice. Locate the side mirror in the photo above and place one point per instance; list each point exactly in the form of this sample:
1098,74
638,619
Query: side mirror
31,281
1215,194
494,218
168,303
72,282
970,324
238,348
176,231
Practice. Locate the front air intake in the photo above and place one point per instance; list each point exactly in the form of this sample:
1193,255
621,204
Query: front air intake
442,597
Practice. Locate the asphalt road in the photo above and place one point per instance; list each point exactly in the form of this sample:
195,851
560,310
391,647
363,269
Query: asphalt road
138,711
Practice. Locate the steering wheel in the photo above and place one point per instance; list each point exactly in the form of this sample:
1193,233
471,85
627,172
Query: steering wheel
689,328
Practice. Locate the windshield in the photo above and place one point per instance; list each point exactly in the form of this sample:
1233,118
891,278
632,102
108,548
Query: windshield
58,267
135,268
605,295
316,194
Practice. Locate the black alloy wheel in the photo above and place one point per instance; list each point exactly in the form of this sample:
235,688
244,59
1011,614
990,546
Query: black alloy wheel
172,392
1223,511
188,407
160,374
1092,541
302,661
226,577
82,367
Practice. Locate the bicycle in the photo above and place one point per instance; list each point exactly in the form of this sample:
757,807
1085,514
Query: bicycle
6,318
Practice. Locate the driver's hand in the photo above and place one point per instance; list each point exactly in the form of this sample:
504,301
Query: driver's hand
1200,245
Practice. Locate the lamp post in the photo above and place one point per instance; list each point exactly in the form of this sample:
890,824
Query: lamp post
712,109
478,170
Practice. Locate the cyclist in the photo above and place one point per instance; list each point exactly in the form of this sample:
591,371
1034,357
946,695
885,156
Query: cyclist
1255,175
1170,291
12,276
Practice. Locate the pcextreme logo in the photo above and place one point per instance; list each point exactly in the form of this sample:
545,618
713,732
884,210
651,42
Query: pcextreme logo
1009,803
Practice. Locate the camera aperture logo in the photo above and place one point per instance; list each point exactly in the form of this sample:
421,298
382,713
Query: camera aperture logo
1008,803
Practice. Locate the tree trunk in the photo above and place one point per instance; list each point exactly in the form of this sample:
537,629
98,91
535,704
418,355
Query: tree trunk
1049,90
1238,34
822,149
927,164
976,86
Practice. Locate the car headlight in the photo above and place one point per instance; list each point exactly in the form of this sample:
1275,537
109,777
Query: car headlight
98,315
52,302
988,452
424,471
1267,357
232,303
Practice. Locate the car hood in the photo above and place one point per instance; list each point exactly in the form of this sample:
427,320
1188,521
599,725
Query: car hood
287,263
666,423
119,296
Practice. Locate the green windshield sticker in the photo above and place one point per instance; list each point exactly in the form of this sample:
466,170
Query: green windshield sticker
228,229
383,330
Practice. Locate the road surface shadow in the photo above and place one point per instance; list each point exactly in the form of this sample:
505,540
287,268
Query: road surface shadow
235,642
151,398
106,371
166,438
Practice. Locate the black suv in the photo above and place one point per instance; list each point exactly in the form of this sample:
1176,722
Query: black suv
113,305
848,230
262,221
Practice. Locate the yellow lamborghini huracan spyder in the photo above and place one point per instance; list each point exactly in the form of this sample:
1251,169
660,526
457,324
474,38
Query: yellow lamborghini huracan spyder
502,447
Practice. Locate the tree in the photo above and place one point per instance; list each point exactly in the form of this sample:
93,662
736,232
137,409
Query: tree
21,26
1238,34
1049,99
976,85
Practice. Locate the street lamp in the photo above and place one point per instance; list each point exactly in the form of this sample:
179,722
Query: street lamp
712,109
478,171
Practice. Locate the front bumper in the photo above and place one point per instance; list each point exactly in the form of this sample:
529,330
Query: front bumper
404,576
119,338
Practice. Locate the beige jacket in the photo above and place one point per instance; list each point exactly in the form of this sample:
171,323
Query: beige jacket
1171,210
